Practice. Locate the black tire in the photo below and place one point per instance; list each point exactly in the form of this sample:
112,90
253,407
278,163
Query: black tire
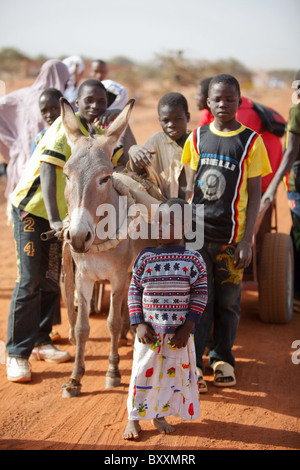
276,278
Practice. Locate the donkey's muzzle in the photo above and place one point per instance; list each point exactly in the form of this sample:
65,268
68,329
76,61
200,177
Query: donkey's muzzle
80,242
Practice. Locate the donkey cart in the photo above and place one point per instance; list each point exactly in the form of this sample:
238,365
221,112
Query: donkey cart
272,269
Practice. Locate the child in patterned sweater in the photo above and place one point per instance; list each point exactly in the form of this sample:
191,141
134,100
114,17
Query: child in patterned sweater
167,295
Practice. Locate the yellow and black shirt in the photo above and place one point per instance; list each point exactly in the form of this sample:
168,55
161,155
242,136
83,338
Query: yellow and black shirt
223,162
53,148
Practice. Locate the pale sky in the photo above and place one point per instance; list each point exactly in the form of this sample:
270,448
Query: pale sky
261,34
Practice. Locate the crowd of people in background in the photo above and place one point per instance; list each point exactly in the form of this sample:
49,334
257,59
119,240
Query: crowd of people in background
230,163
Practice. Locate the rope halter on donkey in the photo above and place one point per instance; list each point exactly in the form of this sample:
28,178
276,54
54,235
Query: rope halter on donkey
123,231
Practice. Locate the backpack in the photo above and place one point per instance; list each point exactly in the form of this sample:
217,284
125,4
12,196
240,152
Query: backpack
271,120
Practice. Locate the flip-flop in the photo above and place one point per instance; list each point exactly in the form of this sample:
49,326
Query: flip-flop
223,370
202,386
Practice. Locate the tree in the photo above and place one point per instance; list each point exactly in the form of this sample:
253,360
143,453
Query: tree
11,59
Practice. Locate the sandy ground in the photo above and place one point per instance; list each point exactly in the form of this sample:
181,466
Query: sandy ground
260,413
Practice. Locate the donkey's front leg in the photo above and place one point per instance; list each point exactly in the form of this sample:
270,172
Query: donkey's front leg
123,340
82,329
114,323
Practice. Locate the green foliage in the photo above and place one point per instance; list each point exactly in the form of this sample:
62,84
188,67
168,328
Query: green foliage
287,76
175,66
165,71
121,61
173,70
10,60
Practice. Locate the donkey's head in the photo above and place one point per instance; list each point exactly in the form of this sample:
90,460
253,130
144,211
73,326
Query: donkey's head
88,175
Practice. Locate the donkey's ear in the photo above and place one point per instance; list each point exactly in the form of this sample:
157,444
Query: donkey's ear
117,128
69,121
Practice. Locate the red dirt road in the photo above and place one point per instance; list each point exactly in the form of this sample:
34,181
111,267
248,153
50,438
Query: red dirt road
261,412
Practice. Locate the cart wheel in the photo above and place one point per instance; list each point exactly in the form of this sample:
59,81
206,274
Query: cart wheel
96,301
276,278
62,291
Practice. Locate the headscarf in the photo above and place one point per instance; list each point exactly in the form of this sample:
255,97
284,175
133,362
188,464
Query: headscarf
118,90
72,62
21,119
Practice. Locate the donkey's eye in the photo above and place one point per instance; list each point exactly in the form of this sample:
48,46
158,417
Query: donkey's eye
105,179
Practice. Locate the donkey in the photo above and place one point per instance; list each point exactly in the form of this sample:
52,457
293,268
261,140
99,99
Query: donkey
90,183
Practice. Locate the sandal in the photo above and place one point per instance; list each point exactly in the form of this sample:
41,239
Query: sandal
202,386
54,335
224,374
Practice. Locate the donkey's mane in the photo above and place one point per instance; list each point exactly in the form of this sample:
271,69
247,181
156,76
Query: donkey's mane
92,130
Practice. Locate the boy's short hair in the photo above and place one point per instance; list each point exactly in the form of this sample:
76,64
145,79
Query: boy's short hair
174,200
173,99
90,82
180,205
51,92
225,78
99,61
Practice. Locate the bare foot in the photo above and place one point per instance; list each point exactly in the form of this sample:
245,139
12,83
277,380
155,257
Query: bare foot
162,425
132,430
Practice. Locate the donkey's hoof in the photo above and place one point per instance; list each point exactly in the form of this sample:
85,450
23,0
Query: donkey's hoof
70,393
112,382
71,389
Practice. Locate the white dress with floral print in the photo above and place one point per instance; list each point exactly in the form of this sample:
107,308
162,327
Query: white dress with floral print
163,381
